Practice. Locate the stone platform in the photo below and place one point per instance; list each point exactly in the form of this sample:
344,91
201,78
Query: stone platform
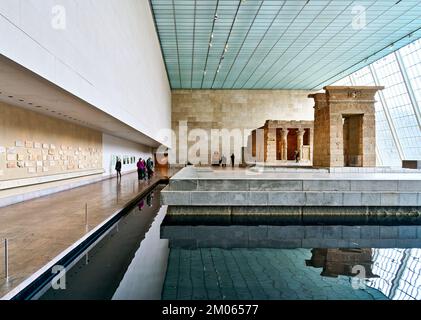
293,187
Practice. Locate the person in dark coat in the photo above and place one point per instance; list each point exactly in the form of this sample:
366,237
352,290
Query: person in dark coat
232,160
139,169
149,168
118,168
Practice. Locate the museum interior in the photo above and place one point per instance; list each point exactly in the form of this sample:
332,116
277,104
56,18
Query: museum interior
285,138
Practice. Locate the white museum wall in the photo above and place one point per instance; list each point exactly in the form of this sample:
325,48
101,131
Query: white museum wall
108,54
118,147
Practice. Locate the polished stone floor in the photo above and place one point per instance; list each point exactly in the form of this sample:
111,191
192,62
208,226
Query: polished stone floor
40,229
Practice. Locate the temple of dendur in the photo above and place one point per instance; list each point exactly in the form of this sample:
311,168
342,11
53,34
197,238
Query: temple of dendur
343,178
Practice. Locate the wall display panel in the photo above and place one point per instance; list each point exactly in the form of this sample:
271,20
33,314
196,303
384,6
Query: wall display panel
34,145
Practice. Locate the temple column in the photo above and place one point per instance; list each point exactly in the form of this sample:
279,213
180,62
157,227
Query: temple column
300,142
284,138
271,146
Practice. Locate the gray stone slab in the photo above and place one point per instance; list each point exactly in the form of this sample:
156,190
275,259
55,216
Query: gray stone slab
277,185
285,232
374,185
237,197
183,185
407,232
332,199
419,198
223,185
332,232
370,199
326,185
287,198
389,199
409,185
258,198
352,199
408,199
314,198
208,198
351,232
370,232
389,232
176,198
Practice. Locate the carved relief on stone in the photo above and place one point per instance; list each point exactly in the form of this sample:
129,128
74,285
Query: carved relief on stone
11,165
354,94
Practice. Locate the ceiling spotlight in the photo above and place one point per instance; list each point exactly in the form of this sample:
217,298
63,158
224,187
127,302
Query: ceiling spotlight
212,36
216,17
210,44
204,72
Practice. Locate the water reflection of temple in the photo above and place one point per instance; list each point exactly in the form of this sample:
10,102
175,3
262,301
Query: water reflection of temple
337,262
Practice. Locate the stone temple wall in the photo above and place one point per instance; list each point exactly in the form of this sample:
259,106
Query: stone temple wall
348,110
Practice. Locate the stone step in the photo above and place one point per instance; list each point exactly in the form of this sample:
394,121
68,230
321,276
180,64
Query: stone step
346,185
289,198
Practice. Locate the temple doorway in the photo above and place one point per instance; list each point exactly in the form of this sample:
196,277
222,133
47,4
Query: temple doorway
292,144
353,140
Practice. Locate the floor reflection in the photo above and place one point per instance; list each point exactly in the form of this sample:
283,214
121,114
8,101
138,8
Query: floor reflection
335,262
399,273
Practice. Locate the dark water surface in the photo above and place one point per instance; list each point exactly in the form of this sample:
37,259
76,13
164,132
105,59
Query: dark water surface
132,262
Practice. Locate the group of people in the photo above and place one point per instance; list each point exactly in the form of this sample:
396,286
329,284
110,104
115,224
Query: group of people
223,161
145,169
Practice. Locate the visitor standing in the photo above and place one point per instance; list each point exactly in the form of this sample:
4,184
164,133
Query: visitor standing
143,169
149,168
297,156
224,161
139,169
232,160
118,168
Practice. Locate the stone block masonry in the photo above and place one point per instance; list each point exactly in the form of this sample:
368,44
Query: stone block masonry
345,127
